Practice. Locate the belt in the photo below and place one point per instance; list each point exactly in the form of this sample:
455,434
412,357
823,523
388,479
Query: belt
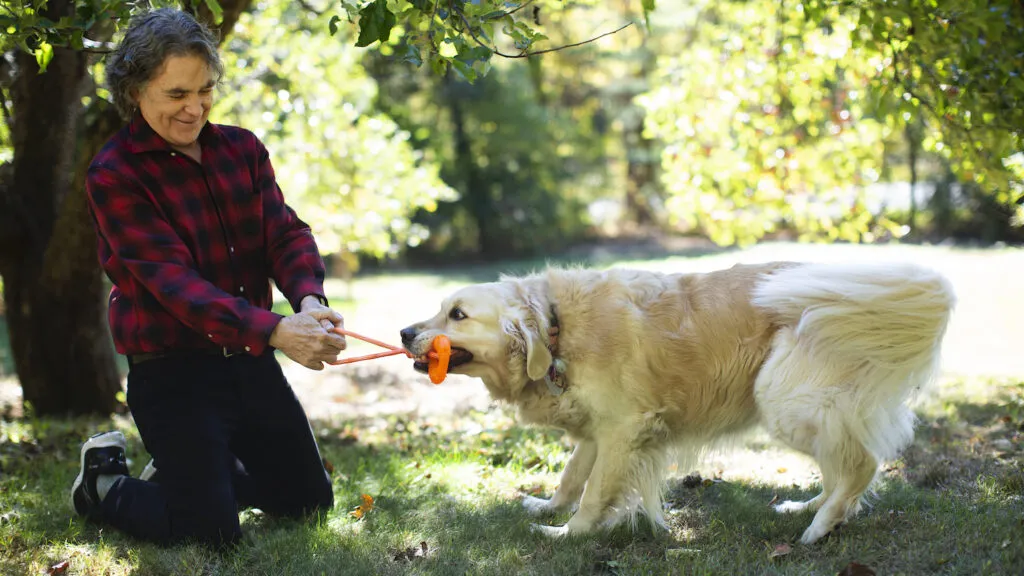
147,356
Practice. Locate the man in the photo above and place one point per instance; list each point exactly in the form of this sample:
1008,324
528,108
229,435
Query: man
191,228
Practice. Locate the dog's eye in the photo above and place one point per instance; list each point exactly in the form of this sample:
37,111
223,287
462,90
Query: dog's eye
457,314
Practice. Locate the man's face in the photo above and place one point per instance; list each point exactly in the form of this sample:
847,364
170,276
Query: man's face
176,102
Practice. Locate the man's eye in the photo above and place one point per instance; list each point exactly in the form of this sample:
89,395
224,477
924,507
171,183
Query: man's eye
457,314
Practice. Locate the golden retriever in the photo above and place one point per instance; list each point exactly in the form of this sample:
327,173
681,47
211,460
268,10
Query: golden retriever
637,366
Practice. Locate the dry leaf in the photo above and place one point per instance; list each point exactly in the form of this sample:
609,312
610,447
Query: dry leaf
780,550
411,553
775,499
58,568
856,569
363,509
328,466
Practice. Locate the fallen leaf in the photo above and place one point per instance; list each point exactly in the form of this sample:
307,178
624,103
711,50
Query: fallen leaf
411,553
328,466
780,550
707,482
58,568
775,499
856,569
363,509
692,481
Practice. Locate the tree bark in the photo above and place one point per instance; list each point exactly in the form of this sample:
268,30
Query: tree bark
54,289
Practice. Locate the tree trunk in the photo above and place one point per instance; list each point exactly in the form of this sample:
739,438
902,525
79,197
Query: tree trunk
54,290
477,194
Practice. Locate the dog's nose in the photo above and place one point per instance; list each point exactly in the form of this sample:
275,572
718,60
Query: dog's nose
408,335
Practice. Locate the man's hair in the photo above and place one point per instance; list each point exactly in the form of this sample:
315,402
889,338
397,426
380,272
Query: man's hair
151,38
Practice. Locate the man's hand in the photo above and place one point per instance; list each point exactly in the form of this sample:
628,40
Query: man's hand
304,338
311,302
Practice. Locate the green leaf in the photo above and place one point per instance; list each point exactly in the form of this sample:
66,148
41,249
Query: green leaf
43,56
333,24
216,10
375,23
648,6
412,55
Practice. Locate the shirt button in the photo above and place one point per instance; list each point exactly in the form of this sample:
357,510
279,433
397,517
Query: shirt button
210,335
247,349
231,249
241,288
174,153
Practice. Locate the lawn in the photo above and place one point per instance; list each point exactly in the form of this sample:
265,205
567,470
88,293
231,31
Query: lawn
445,468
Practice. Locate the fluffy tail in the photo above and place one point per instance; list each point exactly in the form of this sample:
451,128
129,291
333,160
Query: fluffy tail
870,334
892,316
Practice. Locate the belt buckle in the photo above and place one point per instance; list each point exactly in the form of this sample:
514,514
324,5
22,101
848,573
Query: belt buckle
227,354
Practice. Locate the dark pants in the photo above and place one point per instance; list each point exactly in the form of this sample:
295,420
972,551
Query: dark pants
224,433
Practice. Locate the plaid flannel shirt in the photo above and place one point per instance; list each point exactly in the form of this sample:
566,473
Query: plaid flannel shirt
191,248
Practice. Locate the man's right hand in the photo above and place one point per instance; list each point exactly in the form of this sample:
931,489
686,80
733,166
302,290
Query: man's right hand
303,338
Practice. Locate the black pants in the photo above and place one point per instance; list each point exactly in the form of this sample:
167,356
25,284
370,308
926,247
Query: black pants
224,433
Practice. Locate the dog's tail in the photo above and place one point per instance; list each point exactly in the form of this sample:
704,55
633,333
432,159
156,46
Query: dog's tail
888,315
873,330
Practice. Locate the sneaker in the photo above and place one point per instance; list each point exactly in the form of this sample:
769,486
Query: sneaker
150,473
103,453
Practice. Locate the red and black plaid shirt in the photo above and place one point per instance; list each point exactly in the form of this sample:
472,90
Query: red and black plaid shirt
191,248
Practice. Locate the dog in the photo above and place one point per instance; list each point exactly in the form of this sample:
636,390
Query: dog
638,366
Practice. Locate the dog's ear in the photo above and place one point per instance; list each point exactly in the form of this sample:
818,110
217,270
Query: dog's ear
538,357
528,342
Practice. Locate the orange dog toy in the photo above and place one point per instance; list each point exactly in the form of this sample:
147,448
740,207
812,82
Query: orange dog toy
438,358
437,368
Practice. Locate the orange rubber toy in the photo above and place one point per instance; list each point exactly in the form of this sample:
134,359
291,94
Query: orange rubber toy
438,358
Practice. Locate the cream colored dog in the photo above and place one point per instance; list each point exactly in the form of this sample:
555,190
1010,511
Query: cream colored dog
637,365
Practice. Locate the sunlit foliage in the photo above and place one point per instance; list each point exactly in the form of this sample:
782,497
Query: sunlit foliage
347,169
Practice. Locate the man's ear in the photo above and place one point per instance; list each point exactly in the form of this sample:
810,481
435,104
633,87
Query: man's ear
538,357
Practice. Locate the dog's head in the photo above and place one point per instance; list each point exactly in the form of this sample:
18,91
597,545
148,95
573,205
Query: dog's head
498,331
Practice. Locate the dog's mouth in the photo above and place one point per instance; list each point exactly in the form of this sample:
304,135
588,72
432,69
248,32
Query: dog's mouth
459,357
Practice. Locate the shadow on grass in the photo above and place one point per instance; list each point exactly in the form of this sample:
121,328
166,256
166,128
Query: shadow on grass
446,504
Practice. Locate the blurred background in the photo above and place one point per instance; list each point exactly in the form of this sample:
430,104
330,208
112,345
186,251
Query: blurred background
702,129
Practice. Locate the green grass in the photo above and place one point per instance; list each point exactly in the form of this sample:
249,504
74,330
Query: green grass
951,505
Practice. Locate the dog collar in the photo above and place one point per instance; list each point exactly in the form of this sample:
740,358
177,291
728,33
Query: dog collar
555,377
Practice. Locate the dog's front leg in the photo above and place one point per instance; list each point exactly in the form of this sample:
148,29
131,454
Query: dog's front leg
570,487
604,496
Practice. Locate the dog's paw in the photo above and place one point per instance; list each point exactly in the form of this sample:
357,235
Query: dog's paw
537,506
550,531
791,507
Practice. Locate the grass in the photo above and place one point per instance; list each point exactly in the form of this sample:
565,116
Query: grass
449,486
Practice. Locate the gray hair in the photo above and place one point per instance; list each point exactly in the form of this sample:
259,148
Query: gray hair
151,38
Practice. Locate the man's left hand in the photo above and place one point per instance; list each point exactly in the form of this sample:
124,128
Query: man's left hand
311,302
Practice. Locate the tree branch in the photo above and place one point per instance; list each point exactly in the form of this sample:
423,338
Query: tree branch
305,4
525,54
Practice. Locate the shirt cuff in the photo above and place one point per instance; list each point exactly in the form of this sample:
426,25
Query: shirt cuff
310,288
257,335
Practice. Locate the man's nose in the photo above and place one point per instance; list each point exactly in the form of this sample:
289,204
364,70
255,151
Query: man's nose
408,335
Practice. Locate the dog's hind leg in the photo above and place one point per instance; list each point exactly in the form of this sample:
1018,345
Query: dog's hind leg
790,405
845,458
570,487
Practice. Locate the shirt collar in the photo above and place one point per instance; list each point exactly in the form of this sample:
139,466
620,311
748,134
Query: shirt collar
142,137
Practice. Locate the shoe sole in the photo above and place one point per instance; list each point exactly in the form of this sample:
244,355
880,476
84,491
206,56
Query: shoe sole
100,440
148,472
